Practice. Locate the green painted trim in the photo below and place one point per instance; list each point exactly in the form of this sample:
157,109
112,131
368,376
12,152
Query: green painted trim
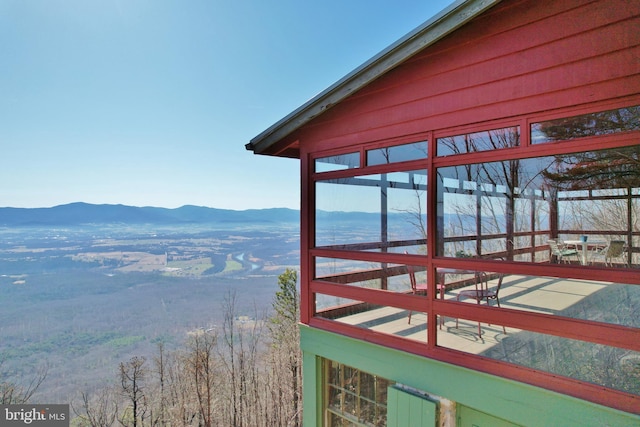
510,400
468,417
312,390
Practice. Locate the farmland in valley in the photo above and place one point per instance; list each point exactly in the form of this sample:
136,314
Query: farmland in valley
78,299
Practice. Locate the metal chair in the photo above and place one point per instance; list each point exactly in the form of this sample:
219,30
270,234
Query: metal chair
415,287
482,293
560,251
421,287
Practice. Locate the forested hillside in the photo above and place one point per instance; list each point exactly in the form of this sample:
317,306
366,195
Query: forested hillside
76,301
245,373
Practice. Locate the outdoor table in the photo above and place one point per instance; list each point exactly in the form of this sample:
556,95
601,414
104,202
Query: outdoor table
583,246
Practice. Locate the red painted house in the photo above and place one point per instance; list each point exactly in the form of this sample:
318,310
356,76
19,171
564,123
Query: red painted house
471,222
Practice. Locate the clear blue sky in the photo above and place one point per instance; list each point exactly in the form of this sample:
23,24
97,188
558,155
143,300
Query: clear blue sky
150,102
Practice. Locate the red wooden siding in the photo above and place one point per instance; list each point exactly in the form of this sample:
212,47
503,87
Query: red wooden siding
521,62
518,59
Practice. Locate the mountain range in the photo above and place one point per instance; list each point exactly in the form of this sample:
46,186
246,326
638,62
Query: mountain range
85,213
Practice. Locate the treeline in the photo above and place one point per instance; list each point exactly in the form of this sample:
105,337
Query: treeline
246,374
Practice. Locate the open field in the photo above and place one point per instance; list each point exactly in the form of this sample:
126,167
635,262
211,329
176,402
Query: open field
80,300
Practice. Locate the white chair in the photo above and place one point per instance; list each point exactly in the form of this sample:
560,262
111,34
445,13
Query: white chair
561,252
616,251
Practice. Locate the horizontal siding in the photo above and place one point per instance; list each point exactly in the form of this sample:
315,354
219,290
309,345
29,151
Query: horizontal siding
490,393
526,64
516,59
521,28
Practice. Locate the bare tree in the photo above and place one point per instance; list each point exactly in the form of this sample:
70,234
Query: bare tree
285,345
161,366
200,364
132,377
101,411
239,354
181,407
235,376
14,393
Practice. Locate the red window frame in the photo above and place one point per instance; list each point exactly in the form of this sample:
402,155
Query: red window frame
594,332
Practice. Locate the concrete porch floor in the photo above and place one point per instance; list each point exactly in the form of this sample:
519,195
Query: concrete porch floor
527,293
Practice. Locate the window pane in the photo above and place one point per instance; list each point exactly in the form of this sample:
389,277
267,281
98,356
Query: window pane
383,319
339,162
597,301
592,124
397,153
483,208
606,366
355,396
479,141
372,275
384,212
582,204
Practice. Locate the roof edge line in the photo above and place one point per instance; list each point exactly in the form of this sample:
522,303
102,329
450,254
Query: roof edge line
440,25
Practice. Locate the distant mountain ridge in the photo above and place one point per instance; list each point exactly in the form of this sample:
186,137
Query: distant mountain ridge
86,213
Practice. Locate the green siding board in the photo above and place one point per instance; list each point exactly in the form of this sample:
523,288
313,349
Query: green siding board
513,401
409,410
415,414
393,408
468,417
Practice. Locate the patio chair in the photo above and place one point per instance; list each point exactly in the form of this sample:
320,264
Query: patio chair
616,250
415,287
421,287
560,251
482,293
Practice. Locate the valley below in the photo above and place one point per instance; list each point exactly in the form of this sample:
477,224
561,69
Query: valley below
76,300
